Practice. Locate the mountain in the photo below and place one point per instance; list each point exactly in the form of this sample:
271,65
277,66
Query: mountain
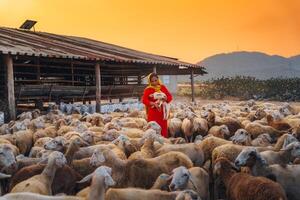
255,64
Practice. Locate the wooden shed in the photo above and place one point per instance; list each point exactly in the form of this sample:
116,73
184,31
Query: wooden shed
37,67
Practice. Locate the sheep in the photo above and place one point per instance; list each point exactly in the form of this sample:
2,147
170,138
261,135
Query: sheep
41,184
193,126
262,140
32,196
219,131
139,172
8,162
147,150
174,127
286,155
242,137
279,125
194,178
209,144
240,186
136,194
160,98
285,176
101,180
193,151
256,129
64,180
162,182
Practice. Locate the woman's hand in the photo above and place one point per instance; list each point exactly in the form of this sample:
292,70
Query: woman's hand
154,104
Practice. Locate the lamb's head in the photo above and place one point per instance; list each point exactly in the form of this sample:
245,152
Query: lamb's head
245,109
188,195
8,163
294,147
123,139
57,158
102,173
78,141
56,144
110,135
88,136
224,130
241,136
98,157
180,178
223,164
153,125
288,140
266,137
159,96
248,157
260,113
151,134
81,127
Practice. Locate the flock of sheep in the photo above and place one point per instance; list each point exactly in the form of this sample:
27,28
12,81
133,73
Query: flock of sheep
238,151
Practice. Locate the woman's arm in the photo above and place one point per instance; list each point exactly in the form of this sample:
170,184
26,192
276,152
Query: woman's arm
145,98
168,94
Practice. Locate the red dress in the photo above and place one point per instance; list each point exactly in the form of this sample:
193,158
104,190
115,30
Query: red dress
154,114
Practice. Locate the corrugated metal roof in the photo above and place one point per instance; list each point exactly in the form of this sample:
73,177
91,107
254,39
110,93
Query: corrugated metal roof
23,42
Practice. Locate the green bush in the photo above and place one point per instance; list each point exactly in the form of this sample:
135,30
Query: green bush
244,87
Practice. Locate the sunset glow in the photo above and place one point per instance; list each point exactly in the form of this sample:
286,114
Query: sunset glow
186,29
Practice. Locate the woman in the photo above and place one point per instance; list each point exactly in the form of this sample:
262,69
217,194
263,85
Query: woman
154,108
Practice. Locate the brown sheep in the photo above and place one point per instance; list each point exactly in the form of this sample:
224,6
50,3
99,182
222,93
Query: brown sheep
279,125
139,172
41,183
242,186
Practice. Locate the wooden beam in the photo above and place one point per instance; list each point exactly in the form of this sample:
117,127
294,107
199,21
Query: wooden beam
98,87
8,63
192,85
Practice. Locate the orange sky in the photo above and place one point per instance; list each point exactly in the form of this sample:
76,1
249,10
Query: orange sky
187,29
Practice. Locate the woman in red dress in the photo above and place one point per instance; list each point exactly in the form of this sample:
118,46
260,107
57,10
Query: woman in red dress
155,112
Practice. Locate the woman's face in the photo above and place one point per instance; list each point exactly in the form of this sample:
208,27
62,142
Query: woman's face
154,81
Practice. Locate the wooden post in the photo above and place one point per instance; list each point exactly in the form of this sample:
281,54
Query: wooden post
8,63
98,87
38,70
192,85
72,72
154,70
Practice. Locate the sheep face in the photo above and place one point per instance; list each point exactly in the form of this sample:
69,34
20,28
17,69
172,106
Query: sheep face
87,136
295,149
224,130
248,157
59,158
180,178
153,125
188,195
241,136
8,162
54,145
260,113
105,172
97,158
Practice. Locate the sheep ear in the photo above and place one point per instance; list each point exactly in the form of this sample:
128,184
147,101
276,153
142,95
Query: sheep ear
287,147
3,176
109,181
86,179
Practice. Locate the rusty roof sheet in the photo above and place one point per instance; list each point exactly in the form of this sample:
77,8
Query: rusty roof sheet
24,42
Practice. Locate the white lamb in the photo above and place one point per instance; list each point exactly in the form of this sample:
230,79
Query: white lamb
160,98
